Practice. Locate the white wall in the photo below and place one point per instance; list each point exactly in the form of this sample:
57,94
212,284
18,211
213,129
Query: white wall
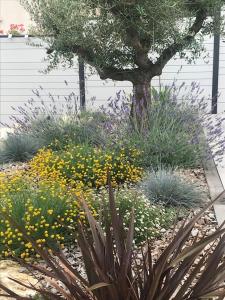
21,63
11,12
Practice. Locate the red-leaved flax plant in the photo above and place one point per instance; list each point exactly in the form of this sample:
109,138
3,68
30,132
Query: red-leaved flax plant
115,270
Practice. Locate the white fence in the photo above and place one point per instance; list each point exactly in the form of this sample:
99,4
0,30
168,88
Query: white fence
21,63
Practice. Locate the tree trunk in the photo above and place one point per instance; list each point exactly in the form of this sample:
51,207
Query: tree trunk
142,94
141,103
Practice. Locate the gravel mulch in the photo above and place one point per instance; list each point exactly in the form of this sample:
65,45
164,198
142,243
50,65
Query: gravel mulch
11,168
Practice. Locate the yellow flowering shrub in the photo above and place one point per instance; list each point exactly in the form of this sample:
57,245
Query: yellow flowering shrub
81,166
43,199
44,210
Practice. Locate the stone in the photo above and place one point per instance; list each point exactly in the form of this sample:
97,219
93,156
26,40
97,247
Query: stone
194,232
201,222
10,269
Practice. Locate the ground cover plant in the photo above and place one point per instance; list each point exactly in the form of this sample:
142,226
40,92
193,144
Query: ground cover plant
165,187
150,219
116,271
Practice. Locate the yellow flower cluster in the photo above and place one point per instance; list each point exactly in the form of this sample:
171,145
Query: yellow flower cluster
80,167
43,199
44,210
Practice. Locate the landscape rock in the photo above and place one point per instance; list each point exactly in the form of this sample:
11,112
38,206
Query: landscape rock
10,269
194,232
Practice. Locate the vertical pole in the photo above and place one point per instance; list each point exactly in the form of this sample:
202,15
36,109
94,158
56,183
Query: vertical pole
82,84
216,60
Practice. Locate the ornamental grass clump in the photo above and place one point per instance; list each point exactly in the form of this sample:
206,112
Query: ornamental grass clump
115,270
165,187
18,148
45,210
86,167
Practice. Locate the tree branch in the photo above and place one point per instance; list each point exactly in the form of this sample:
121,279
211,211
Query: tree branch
168,53
141,53
109,72
85,53
133,39
117,74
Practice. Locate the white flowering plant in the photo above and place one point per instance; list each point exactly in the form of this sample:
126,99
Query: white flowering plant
151,220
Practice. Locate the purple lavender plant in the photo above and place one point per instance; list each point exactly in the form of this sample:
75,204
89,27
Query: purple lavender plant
57,120
179,129
172,132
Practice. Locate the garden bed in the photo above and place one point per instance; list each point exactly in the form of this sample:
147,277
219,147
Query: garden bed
205,226
68,164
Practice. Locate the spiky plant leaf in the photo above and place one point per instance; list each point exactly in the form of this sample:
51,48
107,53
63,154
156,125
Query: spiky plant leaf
115,270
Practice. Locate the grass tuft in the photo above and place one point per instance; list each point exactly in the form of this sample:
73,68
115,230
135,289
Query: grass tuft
18,148
165,187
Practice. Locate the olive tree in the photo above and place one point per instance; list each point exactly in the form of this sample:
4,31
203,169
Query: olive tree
124,40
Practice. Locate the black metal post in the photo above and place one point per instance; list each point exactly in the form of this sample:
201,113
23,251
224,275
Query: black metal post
216,60
82,84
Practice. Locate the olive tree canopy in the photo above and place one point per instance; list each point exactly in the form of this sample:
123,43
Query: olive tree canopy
125,40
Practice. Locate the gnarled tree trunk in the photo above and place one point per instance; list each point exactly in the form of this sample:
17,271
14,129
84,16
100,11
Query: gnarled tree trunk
141,103
142,94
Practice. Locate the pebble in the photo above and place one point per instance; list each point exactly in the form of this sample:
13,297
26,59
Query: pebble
194,232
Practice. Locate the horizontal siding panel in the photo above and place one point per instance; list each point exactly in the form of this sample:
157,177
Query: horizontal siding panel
14,85
20,72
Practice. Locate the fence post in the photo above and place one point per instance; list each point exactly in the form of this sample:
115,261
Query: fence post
216,60
82,84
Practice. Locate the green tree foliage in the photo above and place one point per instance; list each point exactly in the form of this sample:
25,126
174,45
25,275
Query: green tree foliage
125,40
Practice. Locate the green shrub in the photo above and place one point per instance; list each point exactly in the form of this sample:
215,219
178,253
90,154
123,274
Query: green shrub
18,148
59,123
57,131
171,135
58,120
167,148
165,187
150,218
